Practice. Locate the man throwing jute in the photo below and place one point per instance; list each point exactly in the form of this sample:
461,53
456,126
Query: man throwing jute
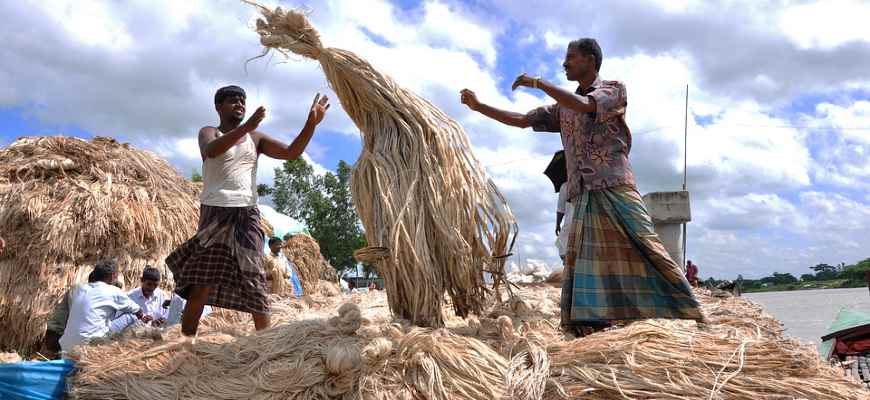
222,265
616,268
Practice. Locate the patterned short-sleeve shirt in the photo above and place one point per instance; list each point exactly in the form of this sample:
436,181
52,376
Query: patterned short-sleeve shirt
596,144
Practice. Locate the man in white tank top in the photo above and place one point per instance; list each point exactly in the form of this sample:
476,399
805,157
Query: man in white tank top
222,265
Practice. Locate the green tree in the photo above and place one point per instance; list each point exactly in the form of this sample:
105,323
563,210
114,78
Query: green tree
263,189
825,272
326,206
196,176
294,181
779,279
857,272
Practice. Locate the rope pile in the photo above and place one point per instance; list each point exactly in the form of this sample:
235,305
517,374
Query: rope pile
435,219
349,347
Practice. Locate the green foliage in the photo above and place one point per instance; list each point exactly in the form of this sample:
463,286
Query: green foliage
196,176
857,272
824,276
326,206
779,279
263,189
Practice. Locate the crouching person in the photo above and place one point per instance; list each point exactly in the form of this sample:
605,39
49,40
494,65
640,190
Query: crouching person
94,305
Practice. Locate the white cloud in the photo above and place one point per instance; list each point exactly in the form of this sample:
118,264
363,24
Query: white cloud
752,211
842,134
826,24
90,22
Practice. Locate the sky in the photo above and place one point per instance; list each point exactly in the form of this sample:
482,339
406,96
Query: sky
779,99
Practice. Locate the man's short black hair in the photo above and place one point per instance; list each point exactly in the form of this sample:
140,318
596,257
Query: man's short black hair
589,47
103,270
228,91
273,240
151,274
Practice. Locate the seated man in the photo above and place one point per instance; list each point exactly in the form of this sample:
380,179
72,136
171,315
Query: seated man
149,297
57,323
94,305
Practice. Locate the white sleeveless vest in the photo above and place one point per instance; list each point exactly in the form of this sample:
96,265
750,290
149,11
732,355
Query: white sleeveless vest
230,179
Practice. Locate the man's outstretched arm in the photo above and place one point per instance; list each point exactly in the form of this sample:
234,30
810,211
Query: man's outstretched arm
279,150
506,117
573,101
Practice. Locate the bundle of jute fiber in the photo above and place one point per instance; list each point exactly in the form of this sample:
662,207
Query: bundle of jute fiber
67,202
311,266
508,354
427,205
669,360
324,358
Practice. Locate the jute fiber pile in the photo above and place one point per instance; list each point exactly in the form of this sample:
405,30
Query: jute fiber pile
64,204
348,347
313,269
432,217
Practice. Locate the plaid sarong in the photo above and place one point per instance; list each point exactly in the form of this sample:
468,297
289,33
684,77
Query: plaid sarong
616,268
226,254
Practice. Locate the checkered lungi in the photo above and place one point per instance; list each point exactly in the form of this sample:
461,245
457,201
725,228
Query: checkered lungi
616,268
226,254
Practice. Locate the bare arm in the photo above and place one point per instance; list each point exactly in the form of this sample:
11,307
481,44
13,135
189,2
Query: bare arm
210,145
573,101
506,117
277,149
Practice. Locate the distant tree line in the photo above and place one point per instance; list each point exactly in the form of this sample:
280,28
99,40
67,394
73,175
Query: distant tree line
840,275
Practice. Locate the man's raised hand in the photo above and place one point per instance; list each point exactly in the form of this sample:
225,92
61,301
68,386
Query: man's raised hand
468,98
524,80
254,120
318,109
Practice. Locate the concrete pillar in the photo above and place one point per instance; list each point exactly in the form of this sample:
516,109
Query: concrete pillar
669,210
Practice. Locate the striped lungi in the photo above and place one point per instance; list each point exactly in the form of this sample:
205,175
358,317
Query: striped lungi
616,268
226,254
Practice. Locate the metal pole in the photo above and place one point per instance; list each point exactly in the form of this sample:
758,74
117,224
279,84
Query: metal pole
685,165
686,139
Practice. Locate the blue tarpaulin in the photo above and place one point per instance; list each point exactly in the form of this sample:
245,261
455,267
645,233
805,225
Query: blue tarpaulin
34,380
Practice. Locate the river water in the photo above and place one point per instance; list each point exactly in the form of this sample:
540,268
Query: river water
806,314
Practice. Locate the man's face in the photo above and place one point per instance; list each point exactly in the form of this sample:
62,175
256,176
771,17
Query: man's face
577,64
232,108
276,247
148,287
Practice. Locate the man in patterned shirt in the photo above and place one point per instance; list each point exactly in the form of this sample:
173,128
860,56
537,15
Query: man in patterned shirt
616,268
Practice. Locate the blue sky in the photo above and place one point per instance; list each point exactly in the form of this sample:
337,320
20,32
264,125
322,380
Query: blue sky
778,143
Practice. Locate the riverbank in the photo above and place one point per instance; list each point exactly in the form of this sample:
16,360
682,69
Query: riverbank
808,285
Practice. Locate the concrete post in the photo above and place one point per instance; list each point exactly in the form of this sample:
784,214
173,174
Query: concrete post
669,211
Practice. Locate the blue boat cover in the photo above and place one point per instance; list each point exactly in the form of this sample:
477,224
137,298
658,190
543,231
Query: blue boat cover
34,380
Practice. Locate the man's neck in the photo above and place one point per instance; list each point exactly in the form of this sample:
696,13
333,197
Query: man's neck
227,126
587,80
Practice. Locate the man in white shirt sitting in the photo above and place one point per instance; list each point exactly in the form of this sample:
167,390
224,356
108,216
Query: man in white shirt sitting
94,305
148,296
